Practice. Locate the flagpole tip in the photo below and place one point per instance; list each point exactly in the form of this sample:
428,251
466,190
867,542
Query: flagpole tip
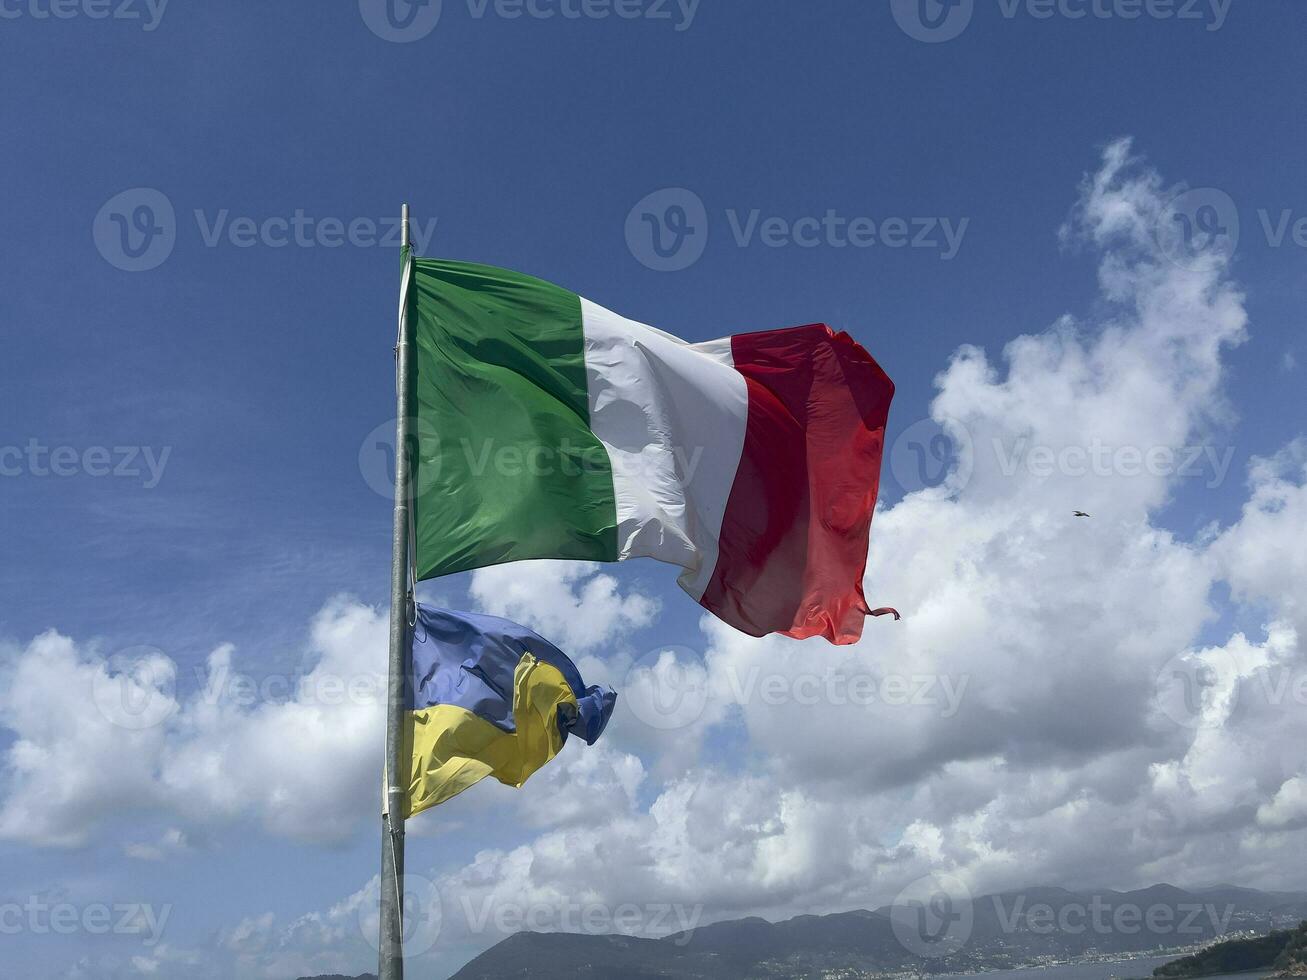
403,215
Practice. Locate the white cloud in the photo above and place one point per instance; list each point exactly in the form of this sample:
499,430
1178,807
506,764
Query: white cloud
300,753
69,761
566,602
1289,806
170,843
1262,556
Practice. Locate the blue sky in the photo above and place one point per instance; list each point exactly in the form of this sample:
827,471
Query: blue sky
248,369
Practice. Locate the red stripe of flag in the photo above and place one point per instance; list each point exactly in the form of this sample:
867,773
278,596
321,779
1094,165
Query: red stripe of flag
794,537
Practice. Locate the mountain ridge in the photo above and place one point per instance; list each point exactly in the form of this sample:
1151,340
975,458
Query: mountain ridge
1005,930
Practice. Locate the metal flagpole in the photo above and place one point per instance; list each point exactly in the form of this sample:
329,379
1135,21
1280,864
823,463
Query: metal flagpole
391,942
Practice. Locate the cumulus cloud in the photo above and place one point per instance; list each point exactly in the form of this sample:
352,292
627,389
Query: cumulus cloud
68,760
567,602
1288,808
1262,556
98,737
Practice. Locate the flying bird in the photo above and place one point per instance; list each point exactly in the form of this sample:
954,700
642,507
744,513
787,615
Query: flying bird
1080,513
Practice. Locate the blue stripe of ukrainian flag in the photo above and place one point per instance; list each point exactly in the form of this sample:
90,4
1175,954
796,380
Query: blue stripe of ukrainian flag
488,697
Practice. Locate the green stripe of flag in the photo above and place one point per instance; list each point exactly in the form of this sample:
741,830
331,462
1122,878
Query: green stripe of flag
506,465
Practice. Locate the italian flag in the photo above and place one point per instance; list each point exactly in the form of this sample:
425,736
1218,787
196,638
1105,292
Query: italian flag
549,427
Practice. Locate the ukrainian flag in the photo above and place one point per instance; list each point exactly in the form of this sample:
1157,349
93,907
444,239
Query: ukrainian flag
488,697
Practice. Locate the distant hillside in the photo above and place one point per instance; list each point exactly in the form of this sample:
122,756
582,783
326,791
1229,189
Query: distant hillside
1006,931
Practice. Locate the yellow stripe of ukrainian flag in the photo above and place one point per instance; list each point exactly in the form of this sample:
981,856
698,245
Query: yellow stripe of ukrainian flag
452,749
